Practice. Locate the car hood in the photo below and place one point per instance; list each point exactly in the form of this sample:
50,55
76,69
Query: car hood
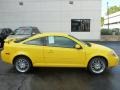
100,47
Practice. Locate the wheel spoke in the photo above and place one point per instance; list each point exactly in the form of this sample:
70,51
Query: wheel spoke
22,65
97,65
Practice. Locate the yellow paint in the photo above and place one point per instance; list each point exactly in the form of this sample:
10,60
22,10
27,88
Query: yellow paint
46,56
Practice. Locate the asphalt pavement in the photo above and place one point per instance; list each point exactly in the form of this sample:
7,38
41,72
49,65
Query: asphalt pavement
60,78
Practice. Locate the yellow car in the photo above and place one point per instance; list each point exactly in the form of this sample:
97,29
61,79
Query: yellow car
57,50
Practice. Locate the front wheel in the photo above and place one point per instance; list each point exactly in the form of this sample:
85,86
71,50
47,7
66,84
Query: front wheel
22,64
97,65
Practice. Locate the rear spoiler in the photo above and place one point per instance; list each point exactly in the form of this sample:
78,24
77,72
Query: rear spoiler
9,40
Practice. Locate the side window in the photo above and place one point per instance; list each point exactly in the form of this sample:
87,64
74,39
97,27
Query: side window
59,41
38,41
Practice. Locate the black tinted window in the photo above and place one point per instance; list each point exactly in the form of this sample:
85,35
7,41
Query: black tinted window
59,41
80,25
36,30
39,41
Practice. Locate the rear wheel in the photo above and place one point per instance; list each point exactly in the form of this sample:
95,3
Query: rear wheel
97,65
22,64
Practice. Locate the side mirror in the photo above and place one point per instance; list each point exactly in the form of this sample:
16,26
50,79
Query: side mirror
78,46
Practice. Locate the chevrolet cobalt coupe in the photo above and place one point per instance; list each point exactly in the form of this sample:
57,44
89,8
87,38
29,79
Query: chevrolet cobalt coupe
57,50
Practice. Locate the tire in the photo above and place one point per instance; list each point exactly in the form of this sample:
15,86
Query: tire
22,64
97,65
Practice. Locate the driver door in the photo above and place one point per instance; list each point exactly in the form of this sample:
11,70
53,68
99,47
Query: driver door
61,51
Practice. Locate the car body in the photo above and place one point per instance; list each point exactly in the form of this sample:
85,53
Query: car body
23,32
4,32
58,50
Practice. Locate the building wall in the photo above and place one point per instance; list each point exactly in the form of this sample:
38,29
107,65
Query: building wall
52,15
114,21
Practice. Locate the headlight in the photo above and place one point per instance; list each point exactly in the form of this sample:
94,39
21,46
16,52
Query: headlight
113,53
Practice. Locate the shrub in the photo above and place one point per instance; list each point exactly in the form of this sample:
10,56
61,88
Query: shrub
110,31
106,32
116,30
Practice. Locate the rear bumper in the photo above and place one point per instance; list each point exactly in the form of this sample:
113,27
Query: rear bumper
5,57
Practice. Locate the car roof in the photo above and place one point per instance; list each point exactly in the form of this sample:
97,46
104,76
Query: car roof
48,34
34,29
28,27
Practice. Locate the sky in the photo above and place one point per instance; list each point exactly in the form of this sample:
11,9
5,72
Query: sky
111,3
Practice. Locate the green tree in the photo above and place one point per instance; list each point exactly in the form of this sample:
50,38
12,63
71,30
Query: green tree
102,21
113,9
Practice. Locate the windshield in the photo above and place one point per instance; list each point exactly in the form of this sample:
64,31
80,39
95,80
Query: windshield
23,31
86,43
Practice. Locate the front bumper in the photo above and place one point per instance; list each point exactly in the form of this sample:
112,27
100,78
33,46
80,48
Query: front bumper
113,61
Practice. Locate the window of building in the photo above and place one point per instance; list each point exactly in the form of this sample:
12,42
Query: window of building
80,25
59,41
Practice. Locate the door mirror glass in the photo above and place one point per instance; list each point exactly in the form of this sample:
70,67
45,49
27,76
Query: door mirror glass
78,46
